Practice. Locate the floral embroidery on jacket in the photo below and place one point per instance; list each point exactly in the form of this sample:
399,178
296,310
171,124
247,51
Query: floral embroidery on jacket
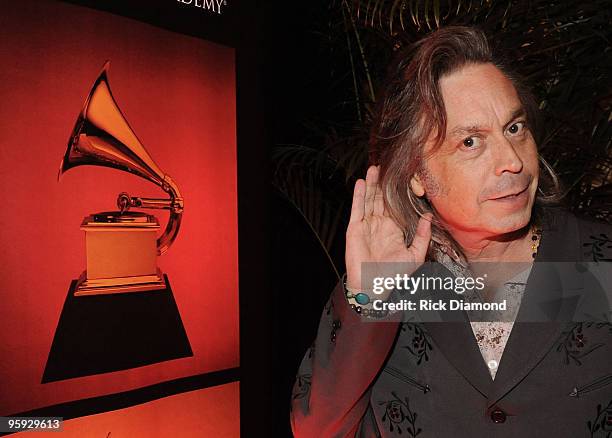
597,245
602,422
400,417
575,345
336,325
302,386
420,344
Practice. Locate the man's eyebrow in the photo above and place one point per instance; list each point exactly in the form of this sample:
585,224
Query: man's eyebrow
469,129
519,112
475,128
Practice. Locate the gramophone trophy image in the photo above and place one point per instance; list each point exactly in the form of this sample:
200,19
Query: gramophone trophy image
122,246
121,312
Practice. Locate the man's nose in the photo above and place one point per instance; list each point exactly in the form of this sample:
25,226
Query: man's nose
506,157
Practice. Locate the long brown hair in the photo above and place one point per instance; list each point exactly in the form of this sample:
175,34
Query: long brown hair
411,110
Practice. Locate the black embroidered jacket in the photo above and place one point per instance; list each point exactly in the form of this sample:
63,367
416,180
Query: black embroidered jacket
398,379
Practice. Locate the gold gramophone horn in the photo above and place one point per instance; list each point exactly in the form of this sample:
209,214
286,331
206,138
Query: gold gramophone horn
103,137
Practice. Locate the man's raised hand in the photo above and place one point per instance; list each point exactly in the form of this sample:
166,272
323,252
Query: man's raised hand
373,236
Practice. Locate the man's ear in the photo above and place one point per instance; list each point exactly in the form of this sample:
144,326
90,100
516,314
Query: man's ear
417,186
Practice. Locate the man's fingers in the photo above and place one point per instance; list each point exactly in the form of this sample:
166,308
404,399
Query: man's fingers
357,208
420,243
379,203
370,192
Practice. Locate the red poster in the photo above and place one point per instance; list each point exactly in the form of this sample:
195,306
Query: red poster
177,93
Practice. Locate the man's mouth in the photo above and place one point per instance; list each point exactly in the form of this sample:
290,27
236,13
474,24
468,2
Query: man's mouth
511,194
514,194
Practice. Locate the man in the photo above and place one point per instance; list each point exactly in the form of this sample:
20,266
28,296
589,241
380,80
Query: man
458,181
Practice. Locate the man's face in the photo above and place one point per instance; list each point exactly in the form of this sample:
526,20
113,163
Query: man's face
484,177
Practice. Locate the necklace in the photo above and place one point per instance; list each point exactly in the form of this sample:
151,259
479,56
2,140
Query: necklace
536,237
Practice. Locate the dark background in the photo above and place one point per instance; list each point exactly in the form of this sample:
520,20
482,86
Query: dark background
297,87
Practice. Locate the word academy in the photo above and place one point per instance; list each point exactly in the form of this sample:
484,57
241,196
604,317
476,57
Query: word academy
209,5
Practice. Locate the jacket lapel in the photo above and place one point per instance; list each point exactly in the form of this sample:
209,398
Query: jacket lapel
457,343
453,336
545,299
527,345
529,342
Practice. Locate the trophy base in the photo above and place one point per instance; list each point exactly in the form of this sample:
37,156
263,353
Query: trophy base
113,332
117,285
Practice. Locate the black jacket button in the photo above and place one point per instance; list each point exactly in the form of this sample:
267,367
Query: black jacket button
498,416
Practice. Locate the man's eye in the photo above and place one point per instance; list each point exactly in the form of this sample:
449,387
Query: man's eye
516,128
471,142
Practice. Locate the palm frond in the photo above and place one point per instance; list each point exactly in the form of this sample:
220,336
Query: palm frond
425,15
309,193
